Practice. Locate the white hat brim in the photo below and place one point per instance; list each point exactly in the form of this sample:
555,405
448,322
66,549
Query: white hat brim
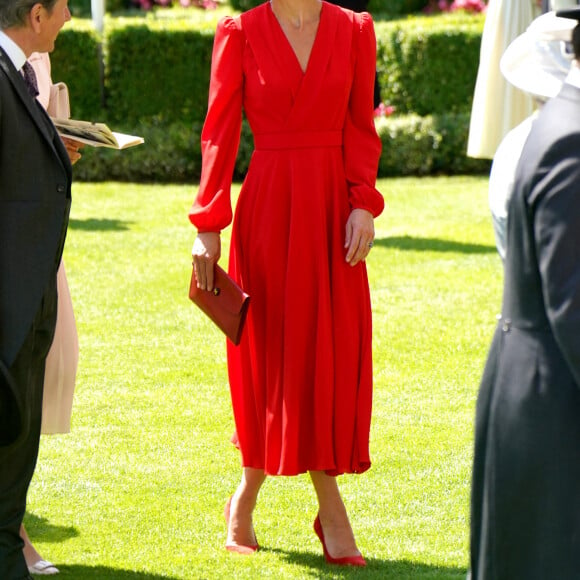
536,61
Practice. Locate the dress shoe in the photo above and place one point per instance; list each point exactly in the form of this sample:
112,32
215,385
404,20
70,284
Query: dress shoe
43,568
344,561
238,548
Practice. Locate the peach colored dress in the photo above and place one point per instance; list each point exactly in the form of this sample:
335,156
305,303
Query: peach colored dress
62,360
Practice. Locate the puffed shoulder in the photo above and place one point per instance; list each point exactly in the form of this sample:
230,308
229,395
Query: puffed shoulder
365,29
228,34
364,20
229,24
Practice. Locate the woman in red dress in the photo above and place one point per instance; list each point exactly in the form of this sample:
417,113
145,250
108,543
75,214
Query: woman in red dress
301,378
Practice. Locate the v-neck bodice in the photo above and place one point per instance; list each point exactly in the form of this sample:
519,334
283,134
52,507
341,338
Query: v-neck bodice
278,95
286,41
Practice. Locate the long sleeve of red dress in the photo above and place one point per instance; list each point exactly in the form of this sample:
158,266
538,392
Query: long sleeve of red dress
220,138
361,144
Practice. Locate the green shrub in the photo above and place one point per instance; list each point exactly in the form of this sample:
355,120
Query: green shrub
169,79
450,157
82,74
80,8
427,68
408,145
414,145
171,153
394,8
428,65
243,5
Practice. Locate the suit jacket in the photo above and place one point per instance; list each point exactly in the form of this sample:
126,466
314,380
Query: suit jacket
525,518
35,195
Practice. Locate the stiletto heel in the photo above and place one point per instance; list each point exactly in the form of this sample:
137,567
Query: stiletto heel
344,561
238,548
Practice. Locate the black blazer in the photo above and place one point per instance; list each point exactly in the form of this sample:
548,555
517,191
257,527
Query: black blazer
35,195
525,520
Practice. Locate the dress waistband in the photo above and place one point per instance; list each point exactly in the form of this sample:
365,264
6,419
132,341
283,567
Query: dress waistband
303,140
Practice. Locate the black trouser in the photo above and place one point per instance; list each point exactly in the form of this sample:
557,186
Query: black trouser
17,462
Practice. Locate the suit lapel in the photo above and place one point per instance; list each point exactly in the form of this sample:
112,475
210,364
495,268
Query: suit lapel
38,114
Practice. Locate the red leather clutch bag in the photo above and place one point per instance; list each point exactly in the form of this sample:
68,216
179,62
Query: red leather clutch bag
227,304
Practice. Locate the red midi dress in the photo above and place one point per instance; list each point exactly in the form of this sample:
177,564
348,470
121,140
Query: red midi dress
301,378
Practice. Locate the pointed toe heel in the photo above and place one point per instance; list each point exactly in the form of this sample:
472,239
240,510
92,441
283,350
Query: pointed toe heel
344,561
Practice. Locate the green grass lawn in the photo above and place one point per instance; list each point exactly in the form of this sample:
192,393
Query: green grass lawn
137,489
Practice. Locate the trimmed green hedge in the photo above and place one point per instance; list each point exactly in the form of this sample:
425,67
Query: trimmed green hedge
82,73
168,81
412,145
156,84
428,65
171,154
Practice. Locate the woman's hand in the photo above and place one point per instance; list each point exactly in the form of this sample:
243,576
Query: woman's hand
360,233
205,253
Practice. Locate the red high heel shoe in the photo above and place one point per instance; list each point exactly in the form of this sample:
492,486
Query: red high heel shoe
344,561
238,548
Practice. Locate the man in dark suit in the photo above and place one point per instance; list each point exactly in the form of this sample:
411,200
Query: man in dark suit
35,195
525,506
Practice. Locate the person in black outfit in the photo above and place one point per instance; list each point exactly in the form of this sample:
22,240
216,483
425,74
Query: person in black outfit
35,197
525,496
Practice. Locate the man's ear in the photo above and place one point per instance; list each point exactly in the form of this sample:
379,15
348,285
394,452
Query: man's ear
35,15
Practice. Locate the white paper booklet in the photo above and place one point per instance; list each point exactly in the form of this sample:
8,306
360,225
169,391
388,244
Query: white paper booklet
95,134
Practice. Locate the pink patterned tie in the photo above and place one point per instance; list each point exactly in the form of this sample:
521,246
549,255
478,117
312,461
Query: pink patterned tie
30,79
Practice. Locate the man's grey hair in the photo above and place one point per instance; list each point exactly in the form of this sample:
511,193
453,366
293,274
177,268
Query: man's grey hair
13,13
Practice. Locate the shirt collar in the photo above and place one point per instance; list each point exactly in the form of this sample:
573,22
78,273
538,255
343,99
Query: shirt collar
14,52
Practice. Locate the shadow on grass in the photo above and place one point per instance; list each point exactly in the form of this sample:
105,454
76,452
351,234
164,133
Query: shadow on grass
375,568
105,573
433,245
99,225
38,527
